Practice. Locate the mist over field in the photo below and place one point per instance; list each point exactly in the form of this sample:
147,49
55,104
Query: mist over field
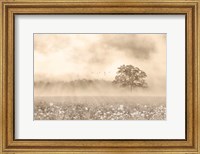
89,88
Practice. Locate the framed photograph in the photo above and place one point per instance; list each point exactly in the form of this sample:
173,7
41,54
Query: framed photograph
99,76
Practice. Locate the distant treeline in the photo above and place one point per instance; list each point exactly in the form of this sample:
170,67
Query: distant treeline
83,83
83,87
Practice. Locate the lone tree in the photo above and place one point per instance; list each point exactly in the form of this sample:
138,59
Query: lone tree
130,76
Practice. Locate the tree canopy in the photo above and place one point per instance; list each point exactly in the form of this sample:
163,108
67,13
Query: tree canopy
130,76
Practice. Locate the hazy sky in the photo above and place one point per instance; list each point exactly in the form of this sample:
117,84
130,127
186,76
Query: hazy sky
67,57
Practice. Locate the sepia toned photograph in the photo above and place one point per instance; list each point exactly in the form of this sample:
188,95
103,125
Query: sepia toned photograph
99,76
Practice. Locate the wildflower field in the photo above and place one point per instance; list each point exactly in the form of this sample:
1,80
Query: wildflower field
99,108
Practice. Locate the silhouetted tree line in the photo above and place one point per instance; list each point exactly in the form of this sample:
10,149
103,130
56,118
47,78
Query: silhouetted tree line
127,76
75,83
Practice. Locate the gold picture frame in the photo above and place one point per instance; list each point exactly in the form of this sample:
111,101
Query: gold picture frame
9,8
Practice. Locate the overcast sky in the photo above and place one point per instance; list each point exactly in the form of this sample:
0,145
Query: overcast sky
67,57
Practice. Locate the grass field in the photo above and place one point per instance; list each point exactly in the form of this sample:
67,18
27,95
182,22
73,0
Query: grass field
100,108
